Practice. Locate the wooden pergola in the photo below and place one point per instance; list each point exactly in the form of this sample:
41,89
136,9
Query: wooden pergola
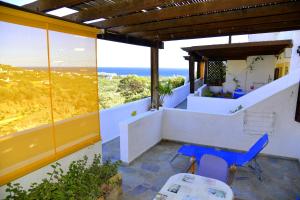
151,22
224,52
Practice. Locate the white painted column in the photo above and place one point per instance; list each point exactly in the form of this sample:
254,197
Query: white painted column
295,59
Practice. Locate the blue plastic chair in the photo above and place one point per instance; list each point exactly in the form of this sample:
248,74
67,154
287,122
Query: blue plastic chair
239,159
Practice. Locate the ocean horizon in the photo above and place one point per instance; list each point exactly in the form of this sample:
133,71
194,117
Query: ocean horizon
144,71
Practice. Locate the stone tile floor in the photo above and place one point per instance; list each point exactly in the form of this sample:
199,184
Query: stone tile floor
143,178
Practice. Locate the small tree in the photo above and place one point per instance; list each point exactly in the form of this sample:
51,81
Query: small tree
164,89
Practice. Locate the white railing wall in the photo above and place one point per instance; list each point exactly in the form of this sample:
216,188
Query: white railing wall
180,94
110,118
225,131
225,106
139,134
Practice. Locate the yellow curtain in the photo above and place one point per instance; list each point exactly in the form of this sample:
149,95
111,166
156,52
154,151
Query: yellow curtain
48,91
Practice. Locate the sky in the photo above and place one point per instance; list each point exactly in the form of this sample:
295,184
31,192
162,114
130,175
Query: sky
113,54
109,54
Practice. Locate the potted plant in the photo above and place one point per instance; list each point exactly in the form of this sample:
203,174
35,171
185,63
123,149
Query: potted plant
164,89
95,181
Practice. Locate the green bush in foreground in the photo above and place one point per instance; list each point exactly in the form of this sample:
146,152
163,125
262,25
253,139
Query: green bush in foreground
82,181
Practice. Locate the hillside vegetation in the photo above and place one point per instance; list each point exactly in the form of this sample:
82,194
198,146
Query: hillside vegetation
25,94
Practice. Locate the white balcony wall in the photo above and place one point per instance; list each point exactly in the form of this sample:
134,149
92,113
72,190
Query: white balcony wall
180,94
210,105
110,118
295,59
225,106
139,134
220,130
227,130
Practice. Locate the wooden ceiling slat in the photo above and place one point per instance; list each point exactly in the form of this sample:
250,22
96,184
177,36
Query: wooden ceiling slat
182,11
119,8
281,9
263,28
47,5
219,25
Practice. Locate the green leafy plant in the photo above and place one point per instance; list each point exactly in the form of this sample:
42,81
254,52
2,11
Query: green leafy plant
176,81
164,89
207,93
82,181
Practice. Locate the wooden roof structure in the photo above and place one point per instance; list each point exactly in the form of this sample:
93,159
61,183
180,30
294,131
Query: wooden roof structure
150,22
238,51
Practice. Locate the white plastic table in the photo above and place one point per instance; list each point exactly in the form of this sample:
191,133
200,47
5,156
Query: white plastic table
185,186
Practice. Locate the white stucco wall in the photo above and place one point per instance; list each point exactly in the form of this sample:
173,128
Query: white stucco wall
210,104
139,134
293,35
41,173
110,118
224,106
227,130
180,94
220,130
262,71
295,59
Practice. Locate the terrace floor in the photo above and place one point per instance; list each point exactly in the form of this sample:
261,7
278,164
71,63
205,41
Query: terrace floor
143,178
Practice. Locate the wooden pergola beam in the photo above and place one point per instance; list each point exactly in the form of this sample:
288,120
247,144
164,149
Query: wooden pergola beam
154,78
118,8
48,5
263,28
192,73
183,11
286,8
130,40
257,21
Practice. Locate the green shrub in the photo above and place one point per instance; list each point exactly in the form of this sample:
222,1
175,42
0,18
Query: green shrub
133,88
207,93
164,89
176,81
81,181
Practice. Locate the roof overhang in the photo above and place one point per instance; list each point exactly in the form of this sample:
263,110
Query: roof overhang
238,51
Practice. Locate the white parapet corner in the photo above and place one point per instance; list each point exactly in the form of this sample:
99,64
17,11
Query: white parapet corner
139,133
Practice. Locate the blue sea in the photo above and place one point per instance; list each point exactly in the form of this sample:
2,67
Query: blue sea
144,71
